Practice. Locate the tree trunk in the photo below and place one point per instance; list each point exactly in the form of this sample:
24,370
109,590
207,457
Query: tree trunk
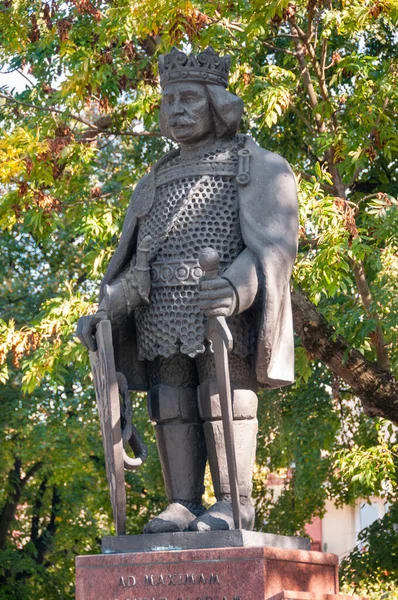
375,387
10,506
16,485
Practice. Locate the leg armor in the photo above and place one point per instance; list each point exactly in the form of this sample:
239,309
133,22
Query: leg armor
245,433
180,441
182,452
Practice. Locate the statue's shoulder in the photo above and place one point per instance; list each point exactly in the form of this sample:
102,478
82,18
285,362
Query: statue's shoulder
270,181
142,184
144,192
274,163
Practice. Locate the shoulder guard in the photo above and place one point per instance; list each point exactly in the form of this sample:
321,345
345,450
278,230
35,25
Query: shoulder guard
244,156
144,193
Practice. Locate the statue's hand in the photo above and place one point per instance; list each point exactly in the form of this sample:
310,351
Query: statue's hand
141,273
217,298
86,327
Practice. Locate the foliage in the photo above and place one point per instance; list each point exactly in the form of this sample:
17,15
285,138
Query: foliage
319,81
369,562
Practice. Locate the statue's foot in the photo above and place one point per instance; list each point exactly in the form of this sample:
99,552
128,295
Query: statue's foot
220,517
176,517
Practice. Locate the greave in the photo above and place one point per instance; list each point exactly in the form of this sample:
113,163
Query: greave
180,441
245,433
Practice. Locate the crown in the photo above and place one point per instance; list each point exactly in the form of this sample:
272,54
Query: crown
206,67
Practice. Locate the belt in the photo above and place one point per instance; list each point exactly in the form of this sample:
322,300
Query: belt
175,272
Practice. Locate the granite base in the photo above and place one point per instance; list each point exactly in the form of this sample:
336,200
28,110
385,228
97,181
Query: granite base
236,538
209,574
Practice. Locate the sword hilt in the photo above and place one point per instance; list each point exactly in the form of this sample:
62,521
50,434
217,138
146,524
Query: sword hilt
209,260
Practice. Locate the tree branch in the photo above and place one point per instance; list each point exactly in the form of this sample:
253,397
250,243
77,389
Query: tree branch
310,12
284,50
339,189
303,118
91,134
282,36
50,109
366,297
324,52
319,70
374,386
92,131
37,506
30,472
300,32
232,25
31,84
300,53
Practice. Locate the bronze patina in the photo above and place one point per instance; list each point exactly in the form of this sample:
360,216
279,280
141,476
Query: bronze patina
218,189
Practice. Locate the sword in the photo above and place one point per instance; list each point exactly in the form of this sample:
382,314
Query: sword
116,422
217,332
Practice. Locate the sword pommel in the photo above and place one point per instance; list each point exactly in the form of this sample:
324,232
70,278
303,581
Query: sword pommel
209,261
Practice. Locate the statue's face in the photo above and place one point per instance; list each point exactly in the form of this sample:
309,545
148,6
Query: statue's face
186,108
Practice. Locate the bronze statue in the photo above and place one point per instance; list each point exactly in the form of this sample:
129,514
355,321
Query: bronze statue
218,189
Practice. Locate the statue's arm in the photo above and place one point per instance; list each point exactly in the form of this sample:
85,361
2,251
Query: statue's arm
269,221
130,289
243,277
125,249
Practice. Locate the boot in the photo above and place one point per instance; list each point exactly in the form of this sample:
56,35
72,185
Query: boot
182,452
219,516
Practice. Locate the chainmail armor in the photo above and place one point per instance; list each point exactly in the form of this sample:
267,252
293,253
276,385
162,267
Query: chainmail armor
182,371
191,212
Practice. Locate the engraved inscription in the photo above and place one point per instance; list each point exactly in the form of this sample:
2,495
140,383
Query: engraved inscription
146,598
187,598
182,579
207,598
129,581
176,579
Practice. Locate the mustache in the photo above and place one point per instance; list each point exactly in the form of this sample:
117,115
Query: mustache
174,122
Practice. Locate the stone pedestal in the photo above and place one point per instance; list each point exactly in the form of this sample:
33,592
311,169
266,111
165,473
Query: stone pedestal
289,595
240,573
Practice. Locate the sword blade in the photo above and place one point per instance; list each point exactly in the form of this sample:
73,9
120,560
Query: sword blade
218,332
220,336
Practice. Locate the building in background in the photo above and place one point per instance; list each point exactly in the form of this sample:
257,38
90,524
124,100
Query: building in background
338,530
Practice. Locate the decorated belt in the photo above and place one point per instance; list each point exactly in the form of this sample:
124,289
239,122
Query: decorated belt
175,272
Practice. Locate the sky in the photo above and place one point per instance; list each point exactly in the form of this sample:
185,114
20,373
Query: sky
13,80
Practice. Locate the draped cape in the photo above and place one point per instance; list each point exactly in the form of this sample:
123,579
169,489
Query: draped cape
268,216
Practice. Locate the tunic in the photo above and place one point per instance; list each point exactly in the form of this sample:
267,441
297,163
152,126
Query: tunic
196,206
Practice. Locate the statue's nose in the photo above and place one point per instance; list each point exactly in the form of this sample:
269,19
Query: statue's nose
176,108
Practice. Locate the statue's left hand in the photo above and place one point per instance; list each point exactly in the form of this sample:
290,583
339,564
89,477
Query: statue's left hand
217,298
86,327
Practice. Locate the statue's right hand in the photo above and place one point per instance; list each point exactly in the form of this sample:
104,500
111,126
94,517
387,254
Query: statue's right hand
85,330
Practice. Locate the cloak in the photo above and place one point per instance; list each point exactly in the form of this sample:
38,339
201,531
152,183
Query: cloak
268,214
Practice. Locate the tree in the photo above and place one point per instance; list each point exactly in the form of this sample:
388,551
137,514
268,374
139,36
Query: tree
319,81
